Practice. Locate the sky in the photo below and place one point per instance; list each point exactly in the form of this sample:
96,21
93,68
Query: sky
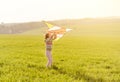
38,10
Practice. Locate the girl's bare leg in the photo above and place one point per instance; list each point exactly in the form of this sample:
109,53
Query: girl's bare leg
49,56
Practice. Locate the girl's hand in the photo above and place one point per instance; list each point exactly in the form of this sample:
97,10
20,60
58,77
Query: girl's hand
54,36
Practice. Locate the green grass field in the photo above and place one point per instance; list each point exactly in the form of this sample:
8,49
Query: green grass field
75,59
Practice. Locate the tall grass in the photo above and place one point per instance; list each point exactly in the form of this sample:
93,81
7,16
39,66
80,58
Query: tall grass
75,59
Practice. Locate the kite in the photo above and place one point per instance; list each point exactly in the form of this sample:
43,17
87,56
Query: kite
57,30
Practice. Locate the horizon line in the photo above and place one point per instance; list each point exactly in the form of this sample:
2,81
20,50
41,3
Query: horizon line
3,22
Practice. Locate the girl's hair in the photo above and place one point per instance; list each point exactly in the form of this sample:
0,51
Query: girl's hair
47,35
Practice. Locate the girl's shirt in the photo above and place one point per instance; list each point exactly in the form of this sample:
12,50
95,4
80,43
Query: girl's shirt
48,41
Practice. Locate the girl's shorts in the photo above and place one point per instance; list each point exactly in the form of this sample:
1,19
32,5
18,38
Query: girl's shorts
49,48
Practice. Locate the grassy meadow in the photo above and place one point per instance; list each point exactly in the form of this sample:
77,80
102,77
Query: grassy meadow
76,59
80,56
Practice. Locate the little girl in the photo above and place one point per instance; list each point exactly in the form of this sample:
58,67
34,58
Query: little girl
49,37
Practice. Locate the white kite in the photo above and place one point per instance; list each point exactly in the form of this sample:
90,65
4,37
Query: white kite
58,30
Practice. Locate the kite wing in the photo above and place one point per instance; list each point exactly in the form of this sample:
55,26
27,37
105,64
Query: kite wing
58,30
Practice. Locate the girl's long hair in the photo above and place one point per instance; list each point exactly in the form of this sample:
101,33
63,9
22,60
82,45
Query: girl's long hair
47,35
